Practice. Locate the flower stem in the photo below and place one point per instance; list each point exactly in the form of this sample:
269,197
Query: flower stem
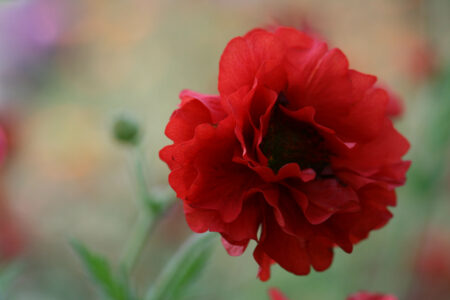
135,245
150,212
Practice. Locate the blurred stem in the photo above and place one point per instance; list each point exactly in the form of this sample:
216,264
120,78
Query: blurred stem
146,200
149,213
135,245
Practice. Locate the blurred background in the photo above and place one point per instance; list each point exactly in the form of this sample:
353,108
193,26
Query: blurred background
68,68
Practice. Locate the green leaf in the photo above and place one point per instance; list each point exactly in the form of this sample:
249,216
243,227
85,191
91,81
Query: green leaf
100,271
182,269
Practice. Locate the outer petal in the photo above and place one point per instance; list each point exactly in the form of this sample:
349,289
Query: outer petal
369,113
212,102
294,39
320,252
373,213
237,232
256,56
327,88
327,197
264,261
222,188
369,158
293,256
235,249
395,106
300,66
183,121
195,109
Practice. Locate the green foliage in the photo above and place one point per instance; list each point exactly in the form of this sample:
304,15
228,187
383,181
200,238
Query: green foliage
99,270
183,269
428,170
441,93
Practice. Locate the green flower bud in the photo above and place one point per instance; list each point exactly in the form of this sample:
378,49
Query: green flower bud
126,130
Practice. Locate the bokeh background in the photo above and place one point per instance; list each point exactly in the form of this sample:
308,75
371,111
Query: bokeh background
68,68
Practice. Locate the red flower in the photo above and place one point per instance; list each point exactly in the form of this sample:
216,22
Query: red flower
432,266
296,144
433,258
422,60
275,294
370,296
10,237
3,145
394,107
11,240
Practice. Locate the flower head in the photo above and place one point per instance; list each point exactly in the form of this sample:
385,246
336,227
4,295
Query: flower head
297,145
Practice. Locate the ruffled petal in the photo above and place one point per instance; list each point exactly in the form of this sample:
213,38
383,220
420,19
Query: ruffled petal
255,57
211,102
235,249
327,197
264,261
293,256
382,153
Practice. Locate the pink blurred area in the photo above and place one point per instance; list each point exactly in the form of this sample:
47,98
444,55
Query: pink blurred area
29,29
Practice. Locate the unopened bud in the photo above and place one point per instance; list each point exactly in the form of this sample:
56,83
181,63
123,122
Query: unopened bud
126,130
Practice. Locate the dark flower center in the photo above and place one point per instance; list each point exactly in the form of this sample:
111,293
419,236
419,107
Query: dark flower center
288,140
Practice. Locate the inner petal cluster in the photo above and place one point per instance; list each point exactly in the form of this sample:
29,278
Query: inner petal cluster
291,141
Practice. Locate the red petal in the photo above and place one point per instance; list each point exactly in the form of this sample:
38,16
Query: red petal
264,262
212,102
369,113
394,106
184,120
237,232
292,255
245,59
328,88
321,253
222,188
234,249
327,197
293,38
373,213
383,152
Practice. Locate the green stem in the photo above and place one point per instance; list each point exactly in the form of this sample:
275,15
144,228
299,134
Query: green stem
146,200
149,214
136,244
